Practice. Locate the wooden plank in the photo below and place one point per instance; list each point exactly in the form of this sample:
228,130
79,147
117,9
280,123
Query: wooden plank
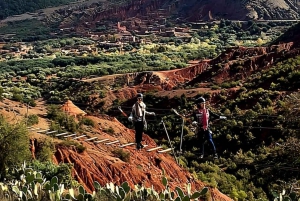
165,150
50,132
42,131
113,142
155,148
61,134
81,136
90,139
128,144
70,135
101,141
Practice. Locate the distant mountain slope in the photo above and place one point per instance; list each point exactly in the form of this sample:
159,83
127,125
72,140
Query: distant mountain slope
236,10
16,7
185,10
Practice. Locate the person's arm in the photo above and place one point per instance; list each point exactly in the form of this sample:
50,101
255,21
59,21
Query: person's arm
130,118
148,113
215,116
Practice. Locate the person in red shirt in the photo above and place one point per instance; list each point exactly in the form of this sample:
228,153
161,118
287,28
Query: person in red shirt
202,115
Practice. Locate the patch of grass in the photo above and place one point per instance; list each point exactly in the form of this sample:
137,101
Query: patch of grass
87,122
79,147
121,154
109,130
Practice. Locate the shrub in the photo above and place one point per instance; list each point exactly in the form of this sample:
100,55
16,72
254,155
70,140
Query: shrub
44,150
87,122
121,154
109,130
79,147
14,144
32,119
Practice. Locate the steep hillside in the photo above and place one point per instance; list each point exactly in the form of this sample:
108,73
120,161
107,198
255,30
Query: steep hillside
101,162
16,7
185,10
238,10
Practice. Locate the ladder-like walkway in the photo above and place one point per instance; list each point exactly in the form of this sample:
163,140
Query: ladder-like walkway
95,140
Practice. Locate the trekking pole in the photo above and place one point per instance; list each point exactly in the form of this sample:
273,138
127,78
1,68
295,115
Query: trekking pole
181,136
162,121
122,111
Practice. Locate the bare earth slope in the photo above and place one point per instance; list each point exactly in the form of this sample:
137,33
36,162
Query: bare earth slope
98,163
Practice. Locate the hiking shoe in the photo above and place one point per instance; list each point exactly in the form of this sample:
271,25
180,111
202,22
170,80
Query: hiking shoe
201,156
215,155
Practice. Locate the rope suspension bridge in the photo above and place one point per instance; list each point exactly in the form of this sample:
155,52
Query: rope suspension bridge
95,140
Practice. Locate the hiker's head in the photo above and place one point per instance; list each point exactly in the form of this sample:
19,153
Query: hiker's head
139,97
200,102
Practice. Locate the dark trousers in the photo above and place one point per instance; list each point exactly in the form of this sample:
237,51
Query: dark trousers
139,128
205,135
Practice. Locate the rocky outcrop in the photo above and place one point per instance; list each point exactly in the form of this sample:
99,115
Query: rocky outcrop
195,10
90,15
84,16
98,163
239,62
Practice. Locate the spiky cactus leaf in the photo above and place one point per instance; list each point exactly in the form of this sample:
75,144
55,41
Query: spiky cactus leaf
195,195
172,195
47,186
88,197
186,198
53,181
24,189
97,185
24,197
189,189
122,192
162,196
178,199
35,190
112,187
71,191
204,191
68,196
29,178
81,190
16,190
80,197
126,187
55,187
29,193
164,181
179,192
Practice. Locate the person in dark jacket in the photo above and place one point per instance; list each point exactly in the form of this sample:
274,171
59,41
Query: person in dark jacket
201,120
137,116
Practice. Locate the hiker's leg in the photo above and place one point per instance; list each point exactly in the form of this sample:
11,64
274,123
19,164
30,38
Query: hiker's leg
202,139
139,127
210,140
